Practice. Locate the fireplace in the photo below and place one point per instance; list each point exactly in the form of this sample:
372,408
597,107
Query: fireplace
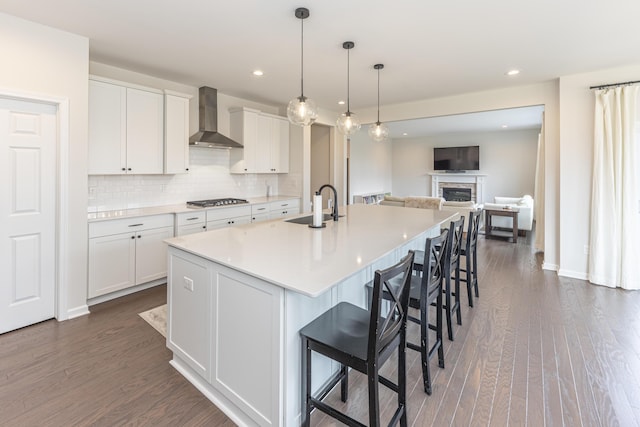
469,181
456,194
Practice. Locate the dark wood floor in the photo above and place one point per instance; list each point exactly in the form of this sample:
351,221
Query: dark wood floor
109,368
535,350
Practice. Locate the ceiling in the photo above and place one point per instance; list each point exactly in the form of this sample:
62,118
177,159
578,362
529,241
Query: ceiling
523,118
429,49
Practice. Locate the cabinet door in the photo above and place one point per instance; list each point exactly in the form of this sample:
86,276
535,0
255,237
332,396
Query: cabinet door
111,263
151,254
280,146
107,128
145,132
263,145
176,134
220,223
244,129
183,230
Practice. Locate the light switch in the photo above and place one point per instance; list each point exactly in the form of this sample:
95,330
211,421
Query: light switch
188,283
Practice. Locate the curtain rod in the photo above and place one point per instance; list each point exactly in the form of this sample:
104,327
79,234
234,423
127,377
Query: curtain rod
615,84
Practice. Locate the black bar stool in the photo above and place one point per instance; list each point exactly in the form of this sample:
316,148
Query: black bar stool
452,265
470,253
426,291
362,340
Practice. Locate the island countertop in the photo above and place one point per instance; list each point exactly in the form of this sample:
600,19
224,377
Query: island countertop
311,261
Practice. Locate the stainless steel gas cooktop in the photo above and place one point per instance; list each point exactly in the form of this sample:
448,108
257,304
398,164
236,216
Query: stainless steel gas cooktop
216,202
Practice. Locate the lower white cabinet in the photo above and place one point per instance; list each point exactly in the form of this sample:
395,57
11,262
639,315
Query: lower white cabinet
191,222
224,217
127,252
284,208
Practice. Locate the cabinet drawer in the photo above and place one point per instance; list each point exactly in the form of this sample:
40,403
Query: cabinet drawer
260,208
191,218
125,225
231,212
291,203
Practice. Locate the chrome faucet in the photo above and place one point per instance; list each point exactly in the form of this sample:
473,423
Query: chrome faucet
334,212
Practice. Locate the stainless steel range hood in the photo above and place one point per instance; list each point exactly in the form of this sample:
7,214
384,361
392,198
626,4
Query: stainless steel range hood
208,135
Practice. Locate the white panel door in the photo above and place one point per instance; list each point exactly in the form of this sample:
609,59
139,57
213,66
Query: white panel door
28,138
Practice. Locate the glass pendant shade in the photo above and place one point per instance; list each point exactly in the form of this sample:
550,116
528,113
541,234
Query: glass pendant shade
348,123
301,110
378,132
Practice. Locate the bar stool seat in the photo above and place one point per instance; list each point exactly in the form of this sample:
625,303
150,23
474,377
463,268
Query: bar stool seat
363,340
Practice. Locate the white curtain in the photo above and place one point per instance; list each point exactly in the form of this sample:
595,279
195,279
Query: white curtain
539,192
614,257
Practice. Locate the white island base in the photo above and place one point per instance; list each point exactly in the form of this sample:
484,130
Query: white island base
237,298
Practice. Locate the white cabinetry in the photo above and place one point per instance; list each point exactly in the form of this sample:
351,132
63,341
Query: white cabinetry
284,208
127,252
224,217
126,129
191,222
265,138
260,212
176,132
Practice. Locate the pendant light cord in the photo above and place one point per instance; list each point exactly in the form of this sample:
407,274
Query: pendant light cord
378,122
302,59
348,75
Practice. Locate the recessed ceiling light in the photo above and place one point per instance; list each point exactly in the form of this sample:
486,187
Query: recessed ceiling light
340,102
512,72
505,126
404,134
258,73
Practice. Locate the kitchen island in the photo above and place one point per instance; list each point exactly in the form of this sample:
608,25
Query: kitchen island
238,296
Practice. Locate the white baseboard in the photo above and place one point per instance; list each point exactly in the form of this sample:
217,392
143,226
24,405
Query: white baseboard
123,292
573,274
552,267
82,310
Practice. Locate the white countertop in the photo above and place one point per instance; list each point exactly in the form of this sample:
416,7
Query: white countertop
311,261
172,209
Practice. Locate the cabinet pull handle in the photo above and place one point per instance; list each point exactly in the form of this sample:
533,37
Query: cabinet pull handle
261,209
129,169
186,169
204,226
191,219
136,225
133,237
285,204
124,169
139,236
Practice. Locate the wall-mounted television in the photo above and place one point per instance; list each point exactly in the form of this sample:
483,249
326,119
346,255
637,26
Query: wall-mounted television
456,158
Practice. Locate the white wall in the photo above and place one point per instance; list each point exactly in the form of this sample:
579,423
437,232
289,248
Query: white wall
507,157
370,165
40,60
577,105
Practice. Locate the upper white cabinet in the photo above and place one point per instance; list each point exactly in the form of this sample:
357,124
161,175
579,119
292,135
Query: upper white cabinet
176,132
266,142
126,129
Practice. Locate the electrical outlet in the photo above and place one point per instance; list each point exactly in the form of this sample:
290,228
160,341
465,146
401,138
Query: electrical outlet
188,283
586,249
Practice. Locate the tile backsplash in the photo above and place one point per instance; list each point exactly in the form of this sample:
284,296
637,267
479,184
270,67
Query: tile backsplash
208,178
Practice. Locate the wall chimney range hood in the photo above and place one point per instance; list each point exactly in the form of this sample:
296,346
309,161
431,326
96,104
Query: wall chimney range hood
208,135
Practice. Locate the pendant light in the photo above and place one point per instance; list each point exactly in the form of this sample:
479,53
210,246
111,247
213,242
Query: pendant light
348,123
378,131
302,111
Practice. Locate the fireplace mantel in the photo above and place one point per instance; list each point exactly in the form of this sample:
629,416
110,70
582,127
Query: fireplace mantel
474,180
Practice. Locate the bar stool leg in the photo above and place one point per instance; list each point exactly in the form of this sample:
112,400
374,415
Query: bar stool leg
305,410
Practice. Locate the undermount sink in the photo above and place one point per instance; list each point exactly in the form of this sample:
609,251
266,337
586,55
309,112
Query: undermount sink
309,219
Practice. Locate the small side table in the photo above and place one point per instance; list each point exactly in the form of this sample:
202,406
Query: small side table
508,212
